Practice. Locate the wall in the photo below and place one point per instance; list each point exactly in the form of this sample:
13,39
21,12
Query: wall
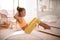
52,8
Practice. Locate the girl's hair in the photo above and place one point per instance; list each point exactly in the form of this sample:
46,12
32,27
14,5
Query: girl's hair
20,10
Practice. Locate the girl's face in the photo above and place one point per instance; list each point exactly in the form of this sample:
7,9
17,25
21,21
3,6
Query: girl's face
23,13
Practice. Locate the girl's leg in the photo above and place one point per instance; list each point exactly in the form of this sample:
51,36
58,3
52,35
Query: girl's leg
32,25
45,26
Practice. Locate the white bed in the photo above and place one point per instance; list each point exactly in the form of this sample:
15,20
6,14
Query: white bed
8,34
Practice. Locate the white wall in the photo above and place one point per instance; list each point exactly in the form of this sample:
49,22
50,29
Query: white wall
53,7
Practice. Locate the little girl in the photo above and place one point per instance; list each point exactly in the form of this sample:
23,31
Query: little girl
21,12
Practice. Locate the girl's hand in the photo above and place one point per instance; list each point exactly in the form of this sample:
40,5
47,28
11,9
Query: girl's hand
18,18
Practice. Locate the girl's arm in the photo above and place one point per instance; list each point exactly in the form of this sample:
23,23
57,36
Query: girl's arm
17,18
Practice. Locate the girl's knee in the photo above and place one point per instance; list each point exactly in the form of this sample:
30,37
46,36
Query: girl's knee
37,20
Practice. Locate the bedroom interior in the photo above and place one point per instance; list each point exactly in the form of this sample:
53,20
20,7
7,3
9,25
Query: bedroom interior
48,11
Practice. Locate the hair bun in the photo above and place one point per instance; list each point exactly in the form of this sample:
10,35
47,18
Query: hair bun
18,8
